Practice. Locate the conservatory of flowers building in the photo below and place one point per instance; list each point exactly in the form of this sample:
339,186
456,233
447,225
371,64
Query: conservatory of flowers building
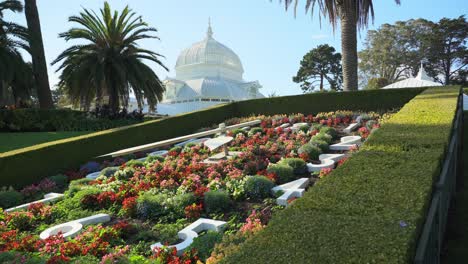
207,73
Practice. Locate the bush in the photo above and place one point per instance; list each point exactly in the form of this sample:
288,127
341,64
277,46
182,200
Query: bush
299,166
151,206
304,128
167,233
312,151
329,130
60,180
153,158
109,171
254,131
10,198
216,201
205,244
284,173
238,131
180,201
388,182
258,187
125,173
321,144
21,220
323,137
13,257
135,163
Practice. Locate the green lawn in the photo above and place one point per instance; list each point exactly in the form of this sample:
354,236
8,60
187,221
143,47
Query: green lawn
456,244
11,141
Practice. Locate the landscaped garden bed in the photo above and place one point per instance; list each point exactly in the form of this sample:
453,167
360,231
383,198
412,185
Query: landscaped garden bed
139,200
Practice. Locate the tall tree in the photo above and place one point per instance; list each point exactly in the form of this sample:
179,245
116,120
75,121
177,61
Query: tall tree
111,62
37,53
14,71
447,50
394,51
352,15
319,65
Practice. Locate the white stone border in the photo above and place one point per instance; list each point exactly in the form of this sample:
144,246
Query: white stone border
48,198
351,127
191,232
70,229
294,189
347,143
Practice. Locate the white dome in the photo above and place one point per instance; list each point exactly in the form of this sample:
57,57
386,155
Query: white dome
208,58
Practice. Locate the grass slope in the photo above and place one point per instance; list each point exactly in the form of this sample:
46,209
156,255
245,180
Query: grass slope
17,140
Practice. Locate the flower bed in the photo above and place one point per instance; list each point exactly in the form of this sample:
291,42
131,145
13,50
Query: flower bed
151,199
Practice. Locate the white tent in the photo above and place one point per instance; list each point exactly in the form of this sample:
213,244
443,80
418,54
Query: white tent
421,80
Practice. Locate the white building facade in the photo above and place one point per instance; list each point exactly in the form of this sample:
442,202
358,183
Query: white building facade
207,73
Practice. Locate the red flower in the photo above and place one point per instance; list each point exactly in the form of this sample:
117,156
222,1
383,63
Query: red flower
193,211
325,172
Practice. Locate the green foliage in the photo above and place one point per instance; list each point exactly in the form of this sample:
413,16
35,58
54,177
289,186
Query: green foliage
323,137
151,206
254,131
85,259
13,257
45,120
60,180
216,201
320,143
10,198
167,233
311,150
283,172
318,65
377,83
328,130
153,158
299,165
258,187
389,180
125,173
135,163
238,131
124,61
205,244
109,171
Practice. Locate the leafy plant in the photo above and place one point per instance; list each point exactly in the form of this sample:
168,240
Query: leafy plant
9,198
312,151
299,166
205,244
284,172
258,187
216,201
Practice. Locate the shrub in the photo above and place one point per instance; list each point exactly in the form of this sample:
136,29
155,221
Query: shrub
329,130
258,187
135,163
125,173
153,158
321,144
20,220
216,201
108,172
10,198
151,206
284,172
322,136
304,128
254,131
167,233
299,166
205,244
238,131
312,151
180,201
60,180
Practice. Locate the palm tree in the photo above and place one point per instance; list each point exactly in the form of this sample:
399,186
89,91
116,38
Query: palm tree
352,15
37,53
14,72
111,62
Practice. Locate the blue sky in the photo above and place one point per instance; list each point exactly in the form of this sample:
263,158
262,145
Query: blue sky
269,41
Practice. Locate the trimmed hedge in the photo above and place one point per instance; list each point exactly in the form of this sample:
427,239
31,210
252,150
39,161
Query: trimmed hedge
40,120
28,165
368,100
372,208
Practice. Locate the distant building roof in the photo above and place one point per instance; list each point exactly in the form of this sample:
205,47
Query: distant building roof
421,80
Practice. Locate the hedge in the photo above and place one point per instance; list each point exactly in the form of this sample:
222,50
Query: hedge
40,120
28,165
368,100
372,208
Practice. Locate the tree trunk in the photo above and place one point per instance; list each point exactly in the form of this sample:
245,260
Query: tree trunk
321,82
37,53
349,47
